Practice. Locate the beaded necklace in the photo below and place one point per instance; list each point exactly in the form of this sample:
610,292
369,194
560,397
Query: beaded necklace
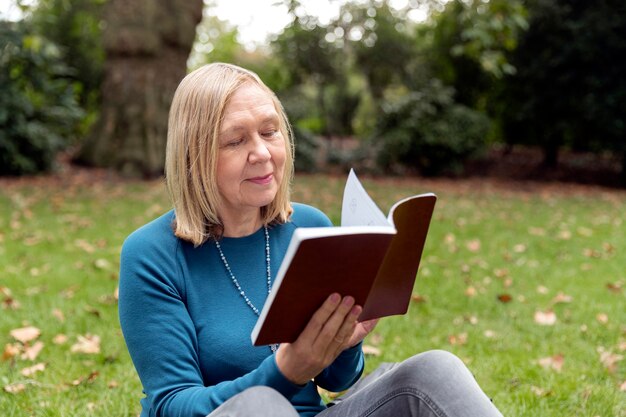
273,347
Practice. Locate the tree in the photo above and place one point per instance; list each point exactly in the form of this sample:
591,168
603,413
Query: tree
76,27
147,44
570,88
468,46
39,115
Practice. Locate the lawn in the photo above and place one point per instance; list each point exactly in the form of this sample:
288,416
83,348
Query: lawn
524,281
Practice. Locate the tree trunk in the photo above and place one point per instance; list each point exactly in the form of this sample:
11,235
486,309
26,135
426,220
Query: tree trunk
147,43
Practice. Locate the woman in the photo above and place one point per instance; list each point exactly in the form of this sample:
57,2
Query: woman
192,282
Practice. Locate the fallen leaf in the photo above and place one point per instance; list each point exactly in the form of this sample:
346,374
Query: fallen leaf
102,263
416,298
31,352
58,314
470,291
501,272
609,359
489,334
536,231
565,234
371,350
545,318
457,340
25,334
561,298
473,245
15,388
602,318
505,298
540,392
622,386
86,379
519,248
89,344
31,370
542,290
615,287
8,302
84,245
59,339
591,253
552,362
113,384
10,350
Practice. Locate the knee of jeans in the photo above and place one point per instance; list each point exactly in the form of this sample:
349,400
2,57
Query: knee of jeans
262,396
436,363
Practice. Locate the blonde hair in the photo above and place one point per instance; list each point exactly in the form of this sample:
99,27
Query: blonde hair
195,120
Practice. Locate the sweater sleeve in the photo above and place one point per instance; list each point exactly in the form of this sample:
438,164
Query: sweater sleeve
344,371
161,337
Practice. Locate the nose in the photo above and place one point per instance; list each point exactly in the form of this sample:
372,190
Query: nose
259,151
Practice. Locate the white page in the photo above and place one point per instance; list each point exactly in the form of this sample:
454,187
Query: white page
358,207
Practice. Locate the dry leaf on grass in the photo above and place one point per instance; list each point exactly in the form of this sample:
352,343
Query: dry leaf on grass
15,388
371,350
552,362
609,359
10,350
59,339
473,245
89,344
31,352
505,298
58,314
545,318
540,392
86,379
562,298
622,386
417,298
459,339
31,370
25,334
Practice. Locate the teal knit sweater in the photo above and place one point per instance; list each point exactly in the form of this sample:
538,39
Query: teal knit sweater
188,329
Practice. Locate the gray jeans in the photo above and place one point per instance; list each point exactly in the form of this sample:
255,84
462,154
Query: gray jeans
432,384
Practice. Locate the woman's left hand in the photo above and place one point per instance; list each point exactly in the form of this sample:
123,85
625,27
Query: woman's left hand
362,329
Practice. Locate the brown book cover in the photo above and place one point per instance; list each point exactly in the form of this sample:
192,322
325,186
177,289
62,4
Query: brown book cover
377,265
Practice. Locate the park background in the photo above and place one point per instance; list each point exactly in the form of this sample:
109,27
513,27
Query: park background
511,111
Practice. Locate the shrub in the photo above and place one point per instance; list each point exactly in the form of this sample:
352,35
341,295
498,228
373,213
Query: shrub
38,111
307,146
428,131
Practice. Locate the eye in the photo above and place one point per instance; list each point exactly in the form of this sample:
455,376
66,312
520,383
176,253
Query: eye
234,142
269,133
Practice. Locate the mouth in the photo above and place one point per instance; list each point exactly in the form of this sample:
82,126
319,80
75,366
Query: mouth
262,180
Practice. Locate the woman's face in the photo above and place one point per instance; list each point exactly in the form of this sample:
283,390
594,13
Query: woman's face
252,153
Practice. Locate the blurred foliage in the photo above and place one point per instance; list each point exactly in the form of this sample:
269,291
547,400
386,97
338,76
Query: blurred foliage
76,27
39,113
540,72
570,87
426,130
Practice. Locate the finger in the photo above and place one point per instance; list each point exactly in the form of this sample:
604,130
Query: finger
344,335
330,329
319,319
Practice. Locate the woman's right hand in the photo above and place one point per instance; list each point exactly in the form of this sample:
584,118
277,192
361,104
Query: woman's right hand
327,334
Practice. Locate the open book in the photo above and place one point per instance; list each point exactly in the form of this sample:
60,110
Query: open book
370,257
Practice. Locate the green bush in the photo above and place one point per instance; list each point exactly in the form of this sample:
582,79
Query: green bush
426,130
38,111
307,147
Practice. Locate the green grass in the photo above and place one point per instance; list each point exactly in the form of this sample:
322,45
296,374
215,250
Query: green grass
60,243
